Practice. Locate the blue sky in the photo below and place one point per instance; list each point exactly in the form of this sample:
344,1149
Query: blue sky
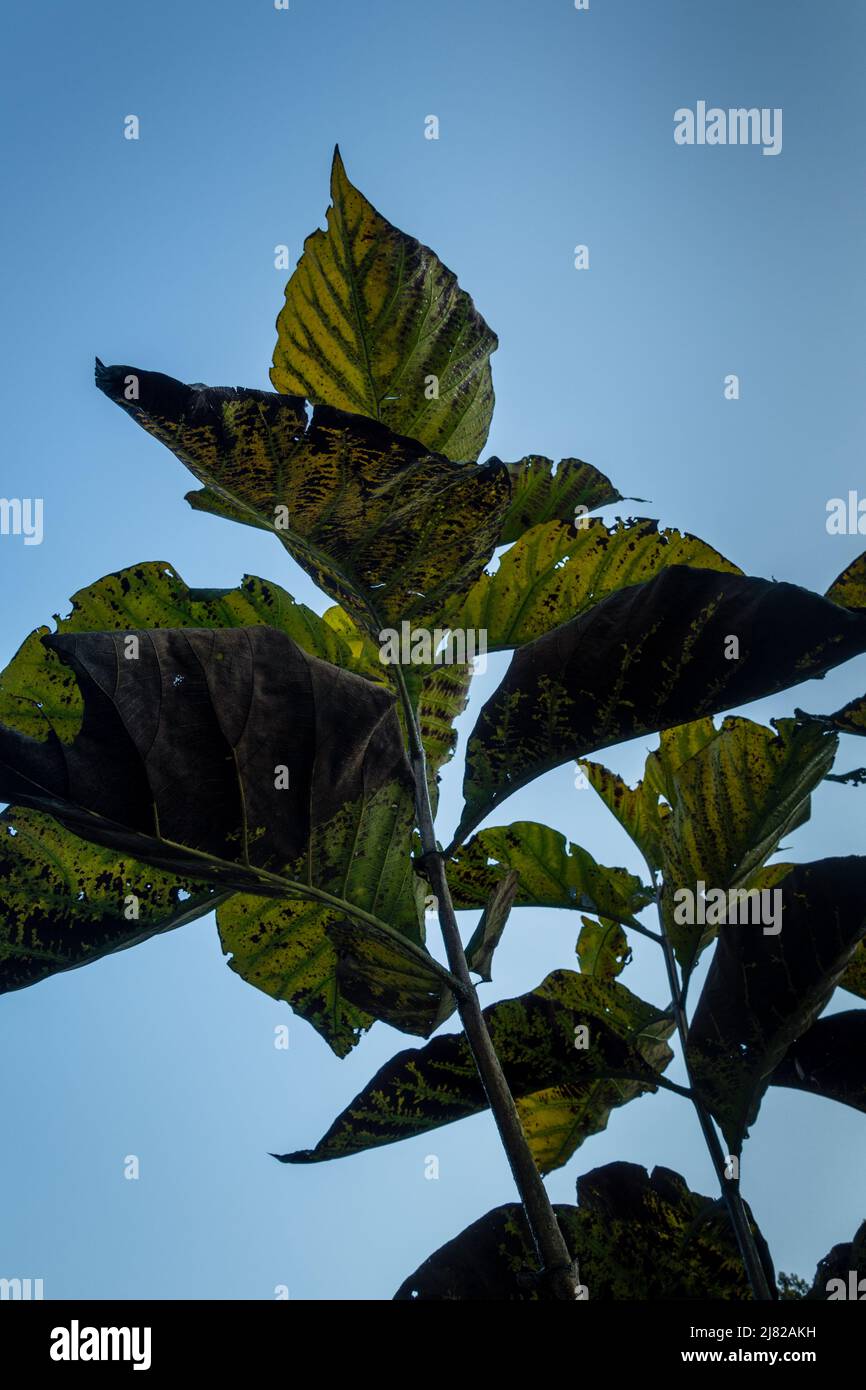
556,128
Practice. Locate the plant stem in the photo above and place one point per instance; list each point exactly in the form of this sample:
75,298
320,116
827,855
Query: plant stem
730,1188
559,1270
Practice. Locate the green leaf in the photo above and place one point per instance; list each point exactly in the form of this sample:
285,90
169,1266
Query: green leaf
182,761
730,804
371,317
849,588
534,1037
385,527
551,873
828,1060
638,1237
557,1119
64,903
542,491
763,992
39,693
488,933
647,658
556,572
602,948
636,808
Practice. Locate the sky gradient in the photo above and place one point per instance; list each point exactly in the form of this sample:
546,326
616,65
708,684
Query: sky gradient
556,128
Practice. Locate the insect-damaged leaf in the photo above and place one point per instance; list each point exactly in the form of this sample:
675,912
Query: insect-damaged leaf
557,571
728,807
540,494
39,693
386,527
374,323
551,872
849,588
64,902
638,1236
602,948
829,1060
534,1037
763,992
221,754
647,658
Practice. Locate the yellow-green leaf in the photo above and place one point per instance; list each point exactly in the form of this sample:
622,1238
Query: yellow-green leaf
374,323
389,529
556,571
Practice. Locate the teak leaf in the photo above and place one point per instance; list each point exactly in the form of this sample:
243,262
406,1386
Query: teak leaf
543,491
556,572
374,323
602,948
730,804
849,588
763,992
534,1036
646,658
638,1236
387,528
234,756
39,693
829,1060
64,902
551,872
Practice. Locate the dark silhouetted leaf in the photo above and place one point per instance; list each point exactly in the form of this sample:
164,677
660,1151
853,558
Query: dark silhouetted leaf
372,317
829,1060
181,761
534,1036
763,992
39,694
389,530
839,1274
637,1236
647,658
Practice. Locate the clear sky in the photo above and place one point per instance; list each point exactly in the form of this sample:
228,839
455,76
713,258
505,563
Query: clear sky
556,128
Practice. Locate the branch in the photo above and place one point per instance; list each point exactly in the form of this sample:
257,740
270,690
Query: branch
559,1269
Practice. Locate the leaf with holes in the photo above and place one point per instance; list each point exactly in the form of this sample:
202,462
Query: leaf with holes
550,873
638,1236
556,572
534,1037
234,756
386,527
64,902
647,658
542,491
